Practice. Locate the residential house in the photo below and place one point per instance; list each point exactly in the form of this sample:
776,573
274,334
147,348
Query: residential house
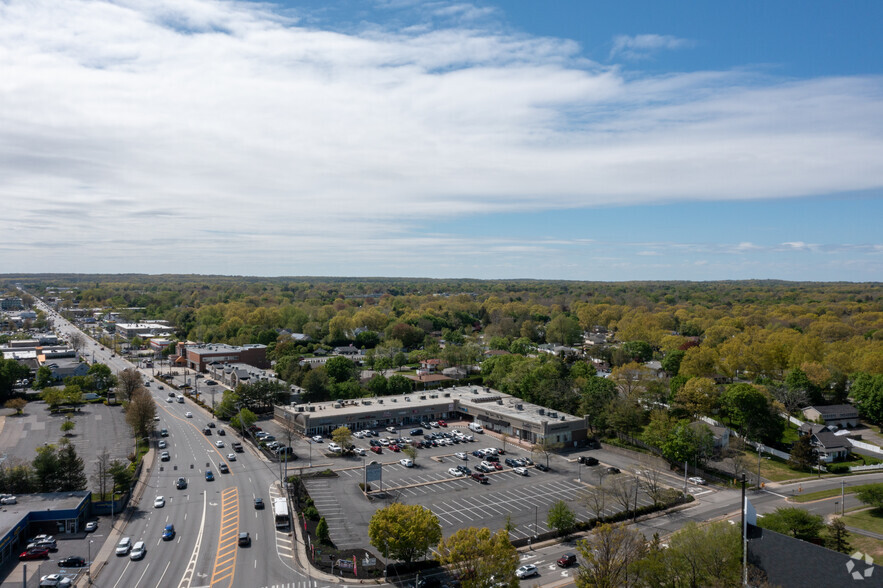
839,415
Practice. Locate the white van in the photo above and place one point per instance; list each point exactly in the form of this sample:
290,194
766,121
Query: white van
475,427
180,399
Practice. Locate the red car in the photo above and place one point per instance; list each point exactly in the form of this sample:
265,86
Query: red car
35,553
442,424
376,449
497,465
394,447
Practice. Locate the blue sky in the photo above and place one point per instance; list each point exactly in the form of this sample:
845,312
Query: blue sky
561,140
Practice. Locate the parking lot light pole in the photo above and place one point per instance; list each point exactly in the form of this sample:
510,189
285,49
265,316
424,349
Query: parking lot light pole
89,561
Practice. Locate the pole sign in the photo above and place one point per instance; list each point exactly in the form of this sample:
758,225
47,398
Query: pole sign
373,472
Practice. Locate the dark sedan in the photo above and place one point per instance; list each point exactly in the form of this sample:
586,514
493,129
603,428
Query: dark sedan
74,561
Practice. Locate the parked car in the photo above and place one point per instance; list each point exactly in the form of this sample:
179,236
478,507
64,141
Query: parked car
479,477
612,470
55,581
587,460
377,449
408,463
460,455
521,471
317,439
334,447
35,553
697,480
542,467
91,526
455,472
73,561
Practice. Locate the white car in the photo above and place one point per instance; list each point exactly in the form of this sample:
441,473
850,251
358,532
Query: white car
488,464
159,502
433,424
391,429
408,463
156,418
169,399
53,580
231,457
460,455
456,473
162,445
520,470
317,439
697,480
526,571
360,451
188,414
219,443
334,447
383,441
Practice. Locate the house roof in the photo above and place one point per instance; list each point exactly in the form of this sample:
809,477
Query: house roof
812,428
830,441
835,410
790,562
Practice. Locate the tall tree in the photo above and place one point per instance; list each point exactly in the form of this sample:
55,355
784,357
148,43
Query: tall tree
561,518
140,412
476,556
404,531
71,469
11,372
563,330
609,556
867,391
101,476
128,381
802,456
838,536
46,469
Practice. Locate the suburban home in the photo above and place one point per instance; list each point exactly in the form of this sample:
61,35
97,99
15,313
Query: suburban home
811,429
829,446
839,415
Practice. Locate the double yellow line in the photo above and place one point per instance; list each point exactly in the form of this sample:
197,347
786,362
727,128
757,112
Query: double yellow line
228,538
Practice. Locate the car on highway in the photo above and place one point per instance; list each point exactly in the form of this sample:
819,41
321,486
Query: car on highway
91,526
209,476
164,456
159,502
188,414
222,432
244,539
73,561
567,560
317,439
259,504
231,457
206,431
162,444
211,424
219,443
170,399
526,571
124,546
520,471
163,432
168,533
222,467
138,551
181,483
408,463
456,472
697,480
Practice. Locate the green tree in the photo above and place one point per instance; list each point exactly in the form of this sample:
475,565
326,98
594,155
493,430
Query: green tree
671,363
342,436
341,369
871,494
411,452
691,442
47,469
243,419
751,411
476,556
795,522
67,426
802,456
53,397
71,469
838,536
102,378
16,404
11,372
404,531
377,385
561,518
639,351
398,384
563,330
122,475
43,377
609,556
17,477
322,531
697,555
140,412
867,392
595,397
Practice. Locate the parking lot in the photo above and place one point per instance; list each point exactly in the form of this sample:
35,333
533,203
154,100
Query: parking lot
458,502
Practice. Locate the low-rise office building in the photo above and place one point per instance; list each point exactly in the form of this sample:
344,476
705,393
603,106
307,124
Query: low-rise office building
50,513
491,409
198,357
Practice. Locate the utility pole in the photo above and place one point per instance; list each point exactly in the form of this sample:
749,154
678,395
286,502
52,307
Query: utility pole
759,448
842,499
744,538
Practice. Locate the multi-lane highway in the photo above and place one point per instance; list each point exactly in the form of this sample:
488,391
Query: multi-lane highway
208,515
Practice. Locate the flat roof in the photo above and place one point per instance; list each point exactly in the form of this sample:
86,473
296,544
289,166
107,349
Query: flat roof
12,514
466,399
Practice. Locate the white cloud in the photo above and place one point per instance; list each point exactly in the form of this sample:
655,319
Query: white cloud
643,46
227,131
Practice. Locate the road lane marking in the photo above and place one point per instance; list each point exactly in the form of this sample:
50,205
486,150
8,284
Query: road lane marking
225,557
187,577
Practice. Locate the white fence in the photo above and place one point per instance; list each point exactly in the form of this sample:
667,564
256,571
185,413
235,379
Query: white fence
770,450
866,468
865,446
793,420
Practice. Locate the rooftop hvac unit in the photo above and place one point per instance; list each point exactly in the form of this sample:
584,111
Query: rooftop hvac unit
519,407
447,394
433,395
408,398
423,397
500,402
338,405
300,409
541,411
312,409
562,417
380,401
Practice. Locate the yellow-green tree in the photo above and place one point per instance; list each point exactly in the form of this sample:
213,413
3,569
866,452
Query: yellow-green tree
404,531
475,555
342,436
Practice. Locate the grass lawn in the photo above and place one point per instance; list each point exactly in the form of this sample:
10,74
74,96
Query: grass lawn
869,545
775,470
810,496
869,520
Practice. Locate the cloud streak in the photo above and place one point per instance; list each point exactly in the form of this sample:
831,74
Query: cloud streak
636,47
242,129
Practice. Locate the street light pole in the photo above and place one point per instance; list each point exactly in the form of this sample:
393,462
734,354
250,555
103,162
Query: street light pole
89,561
